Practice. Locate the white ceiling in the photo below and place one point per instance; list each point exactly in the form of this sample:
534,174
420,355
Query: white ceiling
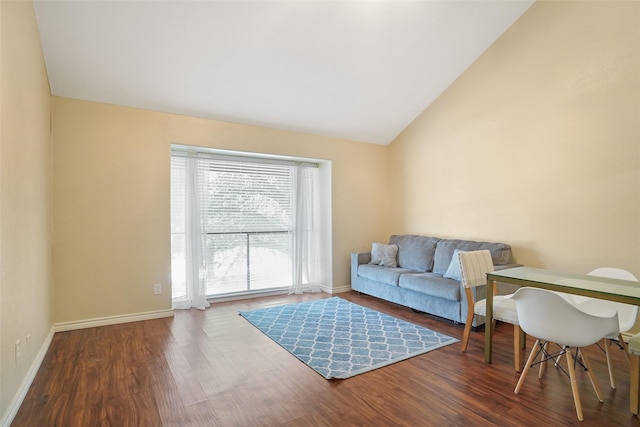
359,70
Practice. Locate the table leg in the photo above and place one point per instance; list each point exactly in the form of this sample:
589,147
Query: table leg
634,383
488,330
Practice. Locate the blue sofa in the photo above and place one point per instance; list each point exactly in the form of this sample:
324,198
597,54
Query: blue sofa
423,279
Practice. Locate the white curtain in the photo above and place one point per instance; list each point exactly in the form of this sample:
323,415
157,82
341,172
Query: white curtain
307,272
190,198
196,291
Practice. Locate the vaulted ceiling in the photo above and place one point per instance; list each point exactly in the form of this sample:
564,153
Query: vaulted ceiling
358,70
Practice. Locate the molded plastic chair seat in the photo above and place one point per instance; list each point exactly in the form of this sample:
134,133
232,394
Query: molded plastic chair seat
627,313
550,318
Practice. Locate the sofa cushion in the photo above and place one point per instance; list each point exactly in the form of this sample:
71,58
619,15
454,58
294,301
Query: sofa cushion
500,252
431,284
384,255
382,274
415,252
453,271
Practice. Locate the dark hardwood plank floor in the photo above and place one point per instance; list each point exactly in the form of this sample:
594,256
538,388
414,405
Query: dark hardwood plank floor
212,368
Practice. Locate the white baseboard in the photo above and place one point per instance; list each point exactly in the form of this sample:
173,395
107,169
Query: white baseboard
241,296
335,290
112,320
17,400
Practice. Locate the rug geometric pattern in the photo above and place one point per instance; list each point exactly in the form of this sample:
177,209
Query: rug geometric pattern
339,339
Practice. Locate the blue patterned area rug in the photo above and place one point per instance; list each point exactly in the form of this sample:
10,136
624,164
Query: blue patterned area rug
339,339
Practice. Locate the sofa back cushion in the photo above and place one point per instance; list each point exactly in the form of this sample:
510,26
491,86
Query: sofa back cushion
415,252
500,252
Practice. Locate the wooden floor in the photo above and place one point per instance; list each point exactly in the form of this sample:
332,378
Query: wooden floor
212,368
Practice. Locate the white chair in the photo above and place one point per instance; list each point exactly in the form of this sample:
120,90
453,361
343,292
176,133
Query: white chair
550,318
474,266
627,313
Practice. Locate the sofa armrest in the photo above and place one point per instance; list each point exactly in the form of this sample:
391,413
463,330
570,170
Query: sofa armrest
361,258
358,258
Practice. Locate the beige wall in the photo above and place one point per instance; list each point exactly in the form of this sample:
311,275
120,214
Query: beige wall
25,175
111,200
537,144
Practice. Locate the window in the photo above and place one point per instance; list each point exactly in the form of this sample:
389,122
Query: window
254,221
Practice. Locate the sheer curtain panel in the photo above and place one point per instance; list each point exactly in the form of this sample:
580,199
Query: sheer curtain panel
307,273
242,225
190,290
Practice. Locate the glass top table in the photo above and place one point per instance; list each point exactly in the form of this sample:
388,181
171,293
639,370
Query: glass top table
591,286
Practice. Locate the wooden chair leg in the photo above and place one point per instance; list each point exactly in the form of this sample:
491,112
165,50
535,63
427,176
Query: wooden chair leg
526,368
558,359
574,385
624,346
467,326
592,377
466,334
543,364
612,380
562,353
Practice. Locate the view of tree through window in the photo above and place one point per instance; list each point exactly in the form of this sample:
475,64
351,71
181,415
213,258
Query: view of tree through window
246,216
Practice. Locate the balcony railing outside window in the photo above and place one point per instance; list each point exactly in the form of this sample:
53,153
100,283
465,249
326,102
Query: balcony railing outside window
246,211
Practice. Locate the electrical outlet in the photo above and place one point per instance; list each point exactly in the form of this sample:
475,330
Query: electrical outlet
18,351
157,289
